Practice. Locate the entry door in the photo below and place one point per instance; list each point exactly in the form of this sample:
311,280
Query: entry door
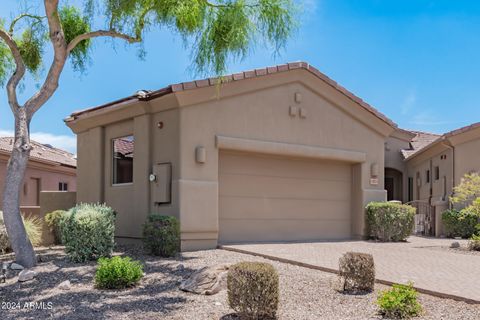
264,198
390,187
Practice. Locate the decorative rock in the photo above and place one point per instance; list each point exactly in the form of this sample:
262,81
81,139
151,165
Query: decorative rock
207,281
455,245
16,266
26,275
65,285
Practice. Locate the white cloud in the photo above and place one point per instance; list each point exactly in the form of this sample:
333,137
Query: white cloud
65,142
408,103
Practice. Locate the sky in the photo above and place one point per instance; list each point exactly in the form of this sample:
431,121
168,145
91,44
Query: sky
416,61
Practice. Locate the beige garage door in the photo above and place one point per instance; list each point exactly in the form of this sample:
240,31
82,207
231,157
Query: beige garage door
263,198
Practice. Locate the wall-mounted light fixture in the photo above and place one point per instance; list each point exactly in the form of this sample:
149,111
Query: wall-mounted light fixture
374,170
200,154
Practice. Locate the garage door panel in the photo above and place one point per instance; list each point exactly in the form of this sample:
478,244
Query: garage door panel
245,164
265,198
245,230
275,187
265,208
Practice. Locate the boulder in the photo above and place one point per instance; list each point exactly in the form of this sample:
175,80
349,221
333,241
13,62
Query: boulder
455,244
207,281
65,285
16,266
26,275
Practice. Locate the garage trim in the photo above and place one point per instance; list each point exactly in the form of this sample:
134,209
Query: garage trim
288,149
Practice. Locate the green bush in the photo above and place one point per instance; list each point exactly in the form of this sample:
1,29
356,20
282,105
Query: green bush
400,302
117,273
474,243
253,289
357,271
459,223
161,235
387,221
33,227
88,232
53,221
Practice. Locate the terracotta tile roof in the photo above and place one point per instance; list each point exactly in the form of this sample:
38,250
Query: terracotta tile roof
420,141
462,129
124,146
183,86
42,152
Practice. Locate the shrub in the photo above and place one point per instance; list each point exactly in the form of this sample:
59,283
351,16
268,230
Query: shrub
459,223
117,273
33,227
161,235
387,221
357,271
252,289
474,243
53,221
399,302
88,232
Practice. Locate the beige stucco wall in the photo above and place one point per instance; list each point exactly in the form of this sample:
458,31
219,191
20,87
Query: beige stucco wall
169,129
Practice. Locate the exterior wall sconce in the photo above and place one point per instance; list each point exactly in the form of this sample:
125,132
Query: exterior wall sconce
200,154
374,170
293,111
298,97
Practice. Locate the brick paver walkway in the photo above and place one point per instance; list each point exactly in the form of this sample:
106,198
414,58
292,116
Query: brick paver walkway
419,260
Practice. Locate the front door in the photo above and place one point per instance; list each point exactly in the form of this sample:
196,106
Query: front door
390,187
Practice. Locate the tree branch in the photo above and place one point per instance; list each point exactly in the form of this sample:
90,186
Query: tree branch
20,17
59,58
19,71
100,33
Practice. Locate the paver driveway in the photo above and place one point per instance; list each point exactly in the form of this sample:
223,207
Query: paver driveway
419,260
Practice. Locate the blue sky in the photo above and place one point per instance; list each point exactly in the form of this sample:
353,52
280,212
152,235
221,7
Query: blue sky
416,61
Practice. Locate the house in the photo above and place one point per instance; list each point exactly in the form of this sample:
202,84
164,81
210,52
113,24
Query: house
49,169
281,153
434,164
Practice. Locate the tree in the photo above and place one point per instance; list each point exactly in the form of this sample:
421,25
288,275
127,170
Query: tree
217,31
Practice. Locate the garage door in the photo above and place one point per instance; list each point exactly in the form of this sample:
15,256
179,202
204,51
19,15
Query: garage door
263,198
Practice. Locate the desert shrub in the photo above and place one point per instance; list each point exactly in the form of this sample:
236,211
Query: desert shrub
474,243
253,290
161,235
117,273
88,232
357,271
459,223
387,221
400,302
33,227
53,221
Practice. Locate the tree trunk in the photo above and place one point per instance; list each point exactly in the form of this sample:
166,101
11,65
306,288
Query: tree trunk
17,165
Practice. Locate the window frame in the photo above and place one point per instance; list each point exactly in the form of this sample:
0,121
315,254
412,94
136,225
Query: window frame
427,176
112,156
62,186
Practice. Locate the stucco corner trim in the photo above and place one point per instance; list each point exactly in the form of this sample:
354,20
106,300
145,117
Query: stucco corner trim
288,149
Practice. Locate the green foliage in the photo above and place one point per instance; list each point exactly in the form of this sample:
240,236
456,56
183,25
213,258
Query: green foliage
117,273
460,223
33,227
88,232
74,24
357,270
6,62
400,302
468,189
53,221
31,48
253,289
161,235
387,221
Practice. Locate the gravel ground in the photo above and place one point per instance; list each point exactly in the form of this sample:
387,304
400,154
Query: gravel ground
305,293
461,250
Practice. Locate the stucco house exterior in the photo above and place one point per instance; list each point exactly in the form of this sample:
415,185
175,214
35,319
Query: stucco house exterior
275,154
49,169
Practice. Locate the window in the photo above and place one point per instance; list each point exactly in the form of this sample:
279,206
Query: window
427,176
62,186
410,189
122,151
437,173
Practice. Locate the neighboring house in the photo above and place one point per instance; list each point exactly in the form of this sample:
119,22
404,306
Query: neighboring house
435,164
275,154
49,169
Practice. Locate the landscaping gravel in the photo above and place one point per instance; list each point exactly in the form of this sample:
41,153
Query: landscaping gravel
305,293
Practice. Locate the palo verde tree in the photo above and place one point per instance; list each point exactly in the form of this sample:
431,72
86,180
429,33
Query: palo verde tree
214,30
